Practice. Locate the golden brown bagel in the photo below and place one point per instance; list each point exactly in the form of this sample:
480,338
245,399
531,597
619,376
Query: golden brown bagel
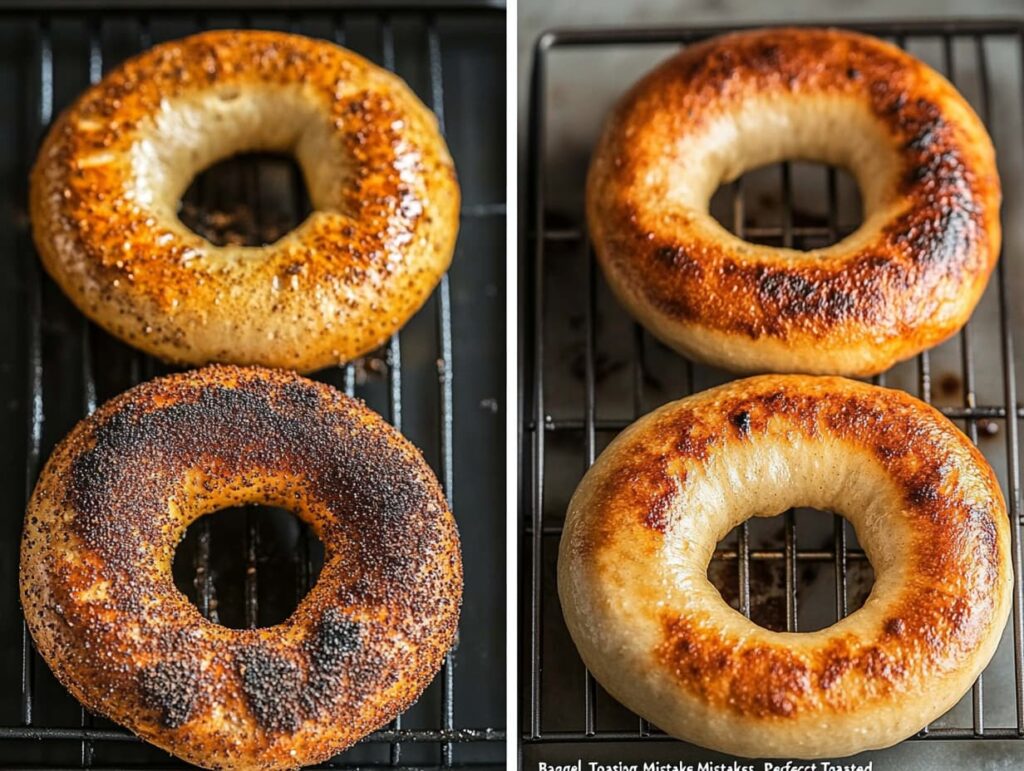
906,280
115,499
110,175
645,520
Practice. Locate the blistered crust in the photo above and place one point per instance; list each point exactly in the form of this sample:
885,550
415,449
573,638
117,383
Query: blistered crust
333,289
907,283
694,667
116,497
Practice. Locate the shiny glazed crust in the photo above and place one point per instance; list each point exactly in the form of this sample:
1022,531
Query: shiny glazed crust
109,176
644,522
115,499
905,281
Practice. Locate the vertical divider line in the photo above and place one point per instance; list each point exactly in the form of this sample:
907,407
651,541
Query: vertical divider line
536,164
40,119
446,378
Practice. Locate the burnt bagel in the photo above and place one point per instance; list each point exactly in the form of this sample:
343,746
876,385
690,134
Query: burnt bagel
905,280
115,499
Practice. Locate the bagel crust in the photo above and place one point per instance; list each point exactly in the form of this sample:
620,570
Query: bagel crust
906,280
645,521
114,501
109,177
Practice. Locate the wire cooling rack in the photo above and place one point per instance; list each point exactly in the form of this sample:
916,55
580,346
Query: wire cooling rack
250,567
589,371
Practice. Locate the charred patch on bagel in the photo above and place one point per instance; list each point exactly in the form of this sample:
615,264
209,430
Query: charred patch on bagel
894,627
793,300
282,692
197,428
335,639
173,688
790,297
741,420
908,288
143,466
272,686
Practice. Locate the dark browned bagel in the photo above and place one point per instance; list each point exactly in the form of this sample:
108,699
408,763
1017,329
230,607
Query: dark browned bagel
109,178
115,499
645,520
906,280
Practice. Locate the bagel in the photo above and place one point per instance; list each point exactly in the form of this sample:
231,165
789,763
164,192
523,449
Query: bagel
116,497
644,522
109,177
906,280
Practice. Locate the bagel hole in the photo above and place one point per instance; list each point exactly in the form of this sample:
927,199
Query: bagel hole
251,199
824,205
256,561
814,570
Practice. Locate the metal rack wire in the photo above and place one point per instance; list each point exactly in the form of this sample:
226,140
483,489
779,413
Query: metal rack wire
88,366
576,353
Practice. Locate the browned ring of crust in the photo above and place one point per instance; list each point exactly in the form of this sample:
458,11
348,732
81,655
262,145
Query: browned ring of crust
907,280
115,499
645,520
110,174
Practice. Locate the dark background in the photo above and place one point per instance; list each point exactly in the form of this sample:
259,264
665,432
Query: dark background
589,370
55,366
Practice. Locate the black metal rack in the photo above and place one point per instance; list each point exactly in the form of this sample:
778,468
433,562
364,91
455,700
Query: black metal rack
590,371
57,366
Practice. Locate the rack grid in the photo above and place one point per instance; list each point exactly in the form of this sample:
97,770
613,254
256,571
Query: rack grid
590,371
58,366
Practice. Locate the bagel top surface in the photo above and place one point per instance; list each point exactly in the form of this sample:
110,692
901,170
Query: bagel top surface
646,519
904,281
110,175
116,497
